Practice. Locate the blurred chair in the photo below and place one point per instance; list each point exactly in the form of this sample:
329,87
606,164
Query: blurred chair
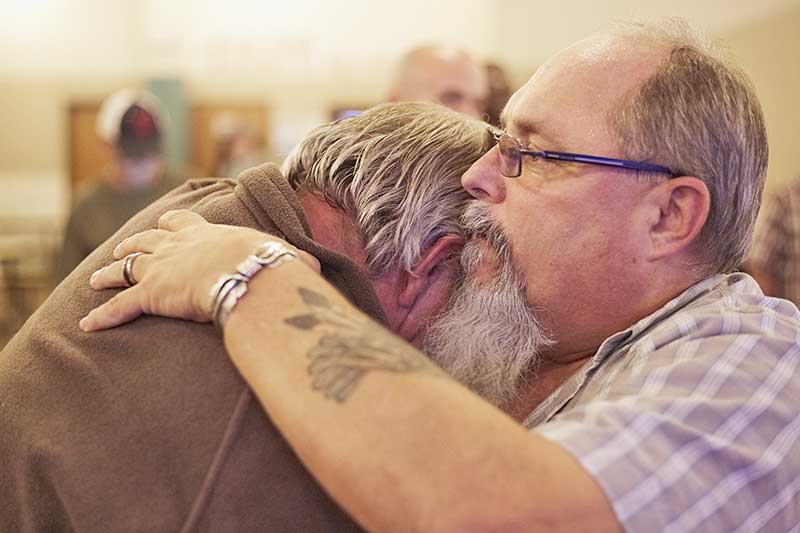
237,145
27,250
208,120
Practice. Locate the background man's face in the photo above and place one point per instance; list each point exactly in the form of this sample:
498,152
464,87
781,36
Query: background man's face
453,81
461,86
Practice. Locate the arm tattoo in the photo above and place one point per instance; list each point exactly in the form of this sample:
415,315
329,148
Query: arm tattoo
351,347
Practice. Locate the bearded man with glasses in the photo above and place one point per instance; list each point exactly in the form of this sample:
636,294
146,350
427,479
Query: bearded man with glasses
666,396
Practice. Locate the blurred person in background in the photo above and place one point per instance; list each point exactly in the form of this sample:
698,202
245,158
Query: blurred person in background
131,123
236,146
774,259
441,74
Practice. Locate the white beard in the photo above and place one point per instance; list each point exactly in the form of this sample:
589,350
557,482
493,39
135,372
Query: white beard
488,337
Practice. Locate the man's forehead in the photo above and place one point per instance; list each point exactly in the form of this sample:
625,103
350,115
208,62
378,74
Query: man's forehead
526,120
570,95
523,125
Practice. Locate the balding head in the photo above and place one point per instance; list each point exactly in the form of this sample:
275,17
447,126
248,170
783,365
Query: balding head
699,115
662,93
443,75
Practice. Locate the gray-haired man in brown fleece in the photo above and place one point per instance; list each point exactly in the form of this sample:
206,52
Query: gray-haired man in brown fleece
149,427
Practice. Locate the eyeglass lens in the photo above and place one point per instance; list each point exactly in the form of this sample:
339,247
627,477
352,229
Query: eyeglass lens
510,157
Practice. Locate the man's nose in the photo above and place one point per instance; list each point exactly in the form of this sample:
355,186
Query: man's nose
483,179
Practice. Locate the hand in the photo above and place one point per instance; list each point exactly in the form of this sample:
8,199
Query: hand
180,262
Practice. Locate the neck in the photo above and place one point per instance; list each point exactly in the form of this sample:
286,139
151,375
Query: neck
565,358
581,332
548,378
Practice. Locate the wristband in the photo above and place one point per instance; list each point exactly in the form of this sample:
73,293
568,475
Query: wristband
230,288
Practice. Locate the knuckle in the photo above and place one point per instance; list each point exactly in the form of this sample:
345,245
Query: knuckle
112,307
121,248
129,243
166,218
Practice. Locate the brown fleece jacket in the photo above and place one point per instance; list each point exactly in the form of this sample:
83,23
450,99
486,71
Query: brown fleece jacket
149,427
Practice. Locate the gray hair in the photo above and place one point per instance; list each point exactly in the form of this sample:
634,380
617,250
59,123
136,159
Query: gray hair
700,116
396,171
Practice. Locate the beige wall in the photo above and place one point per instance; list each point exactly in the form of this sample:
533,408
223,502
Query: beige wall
300,58
346,58
769,51
33,144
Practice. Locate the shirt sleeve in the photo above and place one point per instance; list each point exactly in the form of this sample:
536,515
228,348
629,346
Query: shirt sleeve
695,436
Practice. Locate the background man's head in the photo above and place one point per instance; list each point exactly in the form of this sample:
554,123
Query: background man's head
132,123
237,145
447,76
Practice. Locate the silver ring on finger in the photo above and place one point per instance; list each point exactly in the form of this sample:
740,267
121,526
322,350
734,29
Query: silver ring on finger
127,268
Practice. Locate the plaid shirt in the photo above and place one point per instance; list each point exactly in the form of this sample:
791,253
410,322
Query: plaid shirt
776,244
690,419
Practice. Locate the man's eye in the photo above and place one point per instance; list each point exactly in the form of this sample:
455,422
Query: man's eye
544,168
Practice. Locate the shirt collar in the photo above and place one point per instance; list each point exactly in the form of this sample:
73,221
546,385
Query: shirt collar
616,342
680,302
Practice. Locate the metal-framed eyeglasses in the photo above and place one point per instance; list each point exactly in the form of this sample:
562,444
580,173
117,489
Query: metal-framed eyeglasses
511,152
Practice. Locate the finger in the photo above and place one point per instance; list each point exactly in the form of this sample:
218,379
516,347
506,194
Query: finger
146,241
178,219
120,309
310,260
111,276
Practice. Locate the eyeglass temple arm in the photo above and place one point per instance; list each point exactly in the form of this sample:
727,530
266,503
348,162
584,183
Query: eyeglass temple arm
596,160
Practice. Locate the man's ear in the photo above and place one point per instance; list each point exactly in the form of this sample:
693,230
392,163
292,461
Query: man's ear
428,269
678,211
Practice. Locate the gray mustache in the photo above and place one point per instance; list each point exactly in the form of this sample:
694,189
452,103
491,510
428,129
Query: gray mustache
478,223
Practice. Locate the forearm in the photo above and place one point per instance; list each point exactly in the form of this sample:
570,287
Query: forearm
399,444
